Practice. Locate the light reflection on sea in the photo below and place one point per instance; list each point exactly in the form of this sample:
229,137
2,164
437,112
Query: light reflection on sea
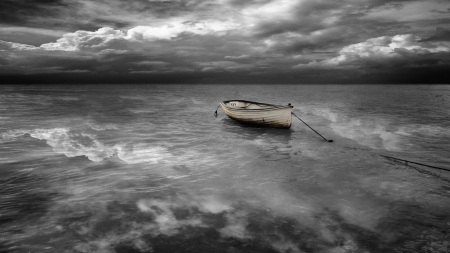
137,168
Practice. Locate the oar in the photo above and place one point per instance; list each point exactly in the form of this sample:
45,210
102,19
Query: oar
311,128
215,113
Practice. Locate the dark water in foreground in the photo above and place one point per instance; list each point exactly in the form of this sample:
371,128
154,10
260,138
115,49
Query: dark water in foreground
150,169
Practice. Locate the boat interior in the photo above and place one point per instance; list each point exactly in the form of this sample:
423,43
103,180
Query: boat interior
247,104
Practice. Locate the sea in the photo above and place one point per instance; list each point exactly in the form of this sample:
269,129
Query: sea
150,168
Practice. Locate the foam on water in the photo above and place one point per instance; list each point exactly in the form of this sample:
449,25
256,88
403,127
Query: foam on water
140,153
372,132
68,142
74,143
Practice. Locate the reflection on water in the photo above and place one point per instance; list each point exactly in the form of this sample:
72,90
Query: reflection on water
150,169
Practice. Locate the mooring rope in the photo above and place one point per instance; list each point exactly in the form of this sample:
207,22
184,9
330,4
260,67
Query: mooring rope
215,113
396,159
423,171
312,128
407,161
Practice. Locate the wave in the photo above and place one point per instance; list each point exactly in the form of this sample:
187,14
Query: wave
77,142
141,153
68,142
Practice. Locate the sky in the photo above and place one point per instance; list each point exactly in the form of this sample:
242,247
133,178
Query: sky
224,41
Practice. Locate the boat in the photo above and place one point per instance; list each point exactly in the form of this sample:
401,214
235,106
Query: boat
279,116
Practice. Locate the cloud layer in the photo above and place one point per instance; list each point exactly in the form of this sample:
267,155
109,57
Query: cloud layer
207,39
404,50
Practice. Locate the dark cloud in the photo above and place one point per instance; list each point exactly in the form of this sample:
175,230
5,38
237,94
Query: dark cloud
108,22
30,36
18,12
421,57
397,59
41,62
304,17
440,11
212,41
84,14
309,16
437,75
311,25
441,34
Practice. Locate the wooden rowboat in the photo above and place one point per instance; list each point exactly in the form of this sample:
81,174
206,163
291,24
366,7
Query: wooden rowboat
264,114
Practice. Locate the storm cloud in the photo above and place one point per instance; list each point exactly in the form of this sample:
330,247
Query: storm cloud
211,40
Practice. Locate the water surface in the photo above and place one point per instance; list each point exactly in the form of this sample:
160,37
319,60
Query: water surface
148,168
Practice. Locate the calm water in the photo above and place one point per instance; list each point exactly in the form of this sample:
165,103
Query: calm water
150,169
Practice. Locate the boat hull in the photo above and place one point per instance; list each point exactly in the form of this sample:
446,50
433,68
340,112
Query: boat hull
270,115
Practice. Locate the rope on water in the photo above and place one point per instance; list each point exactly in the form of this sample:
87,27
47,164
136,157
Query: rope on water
312,128
424,171
390,157
215,113
407,161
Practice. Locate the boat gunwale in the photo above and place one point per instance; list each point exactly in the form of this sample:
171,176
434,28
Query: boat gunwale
273,107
